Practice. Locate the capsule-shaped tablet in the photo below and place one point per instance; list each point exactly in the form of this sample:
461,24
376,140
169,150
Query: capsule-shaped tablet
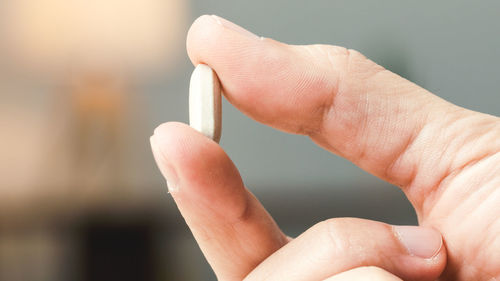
205,102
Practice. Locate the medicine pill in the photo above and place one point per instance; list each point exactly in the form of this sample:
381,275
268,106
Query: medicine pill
205,102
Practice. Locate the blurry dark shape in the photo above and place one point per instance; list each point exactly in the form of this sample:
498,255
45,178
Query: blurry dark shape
118,251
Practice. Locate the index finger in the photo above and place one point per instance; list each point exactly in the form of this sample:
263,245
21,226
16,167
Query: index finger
346,103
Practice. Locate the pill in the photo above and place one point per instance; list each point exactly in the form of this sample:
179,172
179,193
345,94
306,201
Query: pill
205,108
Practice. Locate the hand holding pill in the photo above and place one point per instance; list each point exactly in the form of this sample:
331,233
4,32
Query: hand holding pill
444,158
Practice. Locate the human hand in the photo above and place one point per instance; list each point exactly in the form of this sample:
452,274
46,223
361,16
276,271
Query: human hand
445,158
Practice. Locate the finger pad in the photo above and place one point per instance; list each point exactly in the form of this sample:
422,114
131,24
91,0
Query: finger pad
207,175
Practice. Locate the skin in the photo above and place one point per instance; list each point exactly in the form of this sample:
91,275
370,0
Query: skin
446,159
364,274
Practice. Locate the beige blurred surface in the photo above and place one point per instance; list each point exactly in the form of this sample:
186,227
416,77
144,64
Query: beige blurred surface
67,94
122,36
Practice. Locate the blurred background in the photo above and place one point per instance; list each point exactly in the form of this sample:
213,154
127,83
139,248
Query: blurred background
84,83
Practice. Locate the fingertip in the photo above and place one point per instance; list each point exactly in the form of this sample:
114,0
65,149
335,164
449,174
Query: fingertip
205,173
426,252
423,242
208,33
166,147
174,140
201,32
172,135
438,262
187,149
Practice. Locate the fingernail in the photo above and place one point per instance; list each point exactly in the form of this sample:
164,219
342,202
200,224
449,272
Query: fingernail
165,167
419,241
234,27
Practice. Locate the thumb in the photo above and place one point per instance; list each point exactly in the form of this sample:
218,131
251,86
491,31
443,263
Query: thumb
336,245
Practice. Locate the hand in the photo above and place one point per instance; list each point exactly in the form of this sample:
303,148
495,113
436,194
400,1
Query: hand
445,158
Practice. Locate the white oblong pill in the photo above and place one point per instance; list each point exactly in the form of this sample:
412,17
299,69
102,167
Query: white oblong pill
205,102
